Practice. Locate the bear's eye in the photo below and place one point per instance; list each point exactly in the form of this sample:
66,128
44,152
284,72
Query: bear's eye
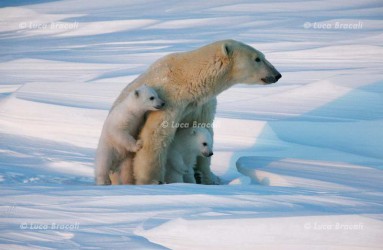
151,98
257,59
204,144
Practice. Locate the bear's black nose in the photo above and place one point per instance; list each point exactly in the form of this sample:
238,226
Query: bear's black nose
162,104
210,154
277,77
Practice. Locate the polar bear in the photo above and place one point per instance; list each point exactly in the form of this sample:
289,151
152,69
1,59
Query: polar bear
189,83
121,127
188,144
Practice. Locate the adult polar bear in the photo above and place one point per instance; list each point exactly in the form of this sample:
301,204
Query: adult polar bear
189,82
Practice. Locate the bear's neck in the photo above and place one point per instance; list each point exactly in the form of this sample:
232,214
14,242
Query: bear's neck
202,79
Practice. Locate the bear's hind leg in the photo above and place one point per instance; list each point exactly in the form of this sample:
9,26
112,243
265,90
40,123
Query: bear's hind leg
104,161
126,171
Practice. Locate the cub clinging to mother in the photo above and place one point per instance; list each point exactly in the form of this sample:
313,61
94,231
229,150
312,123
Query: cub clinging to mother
118,137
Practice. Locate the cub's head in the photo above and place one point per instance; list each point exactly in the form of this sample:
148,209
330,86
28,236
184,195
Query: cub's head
248,64
203,141
148,98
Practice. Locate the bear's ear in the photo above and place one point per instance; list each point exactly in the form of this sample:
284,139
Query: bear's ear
137,93
227,49
193,132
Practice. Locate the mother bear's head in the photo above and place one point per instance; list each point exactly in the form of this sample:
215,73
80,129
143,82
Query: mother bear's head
248,65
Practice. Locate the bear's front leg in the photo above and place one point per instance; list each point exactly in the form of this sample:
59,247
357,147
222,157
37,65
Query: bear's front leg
114,177
175,168
174,177
125,142
189,177
157,134
207,177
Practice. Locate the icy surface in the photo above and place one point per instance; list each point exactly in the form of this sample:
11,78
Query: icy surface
302,159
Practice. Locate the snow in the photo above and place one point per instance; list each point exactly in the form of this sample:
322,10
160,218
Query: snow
301,161
248,233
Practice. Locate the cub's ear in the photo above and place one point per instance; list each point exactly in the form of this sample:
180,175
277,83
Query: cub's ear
193,132
227,49
137,93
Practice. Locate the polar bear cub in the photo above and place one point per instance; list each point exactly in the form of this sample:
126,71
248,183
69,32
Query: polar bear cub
120,130
187,145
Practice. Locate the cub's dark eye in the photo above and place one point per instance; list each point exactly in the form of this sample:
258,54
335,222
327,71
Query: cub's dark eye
151,98
204,144
257,59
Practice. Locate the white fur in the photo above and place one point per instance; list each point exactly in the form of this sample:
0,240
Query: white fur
188,144
118,137
189,83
